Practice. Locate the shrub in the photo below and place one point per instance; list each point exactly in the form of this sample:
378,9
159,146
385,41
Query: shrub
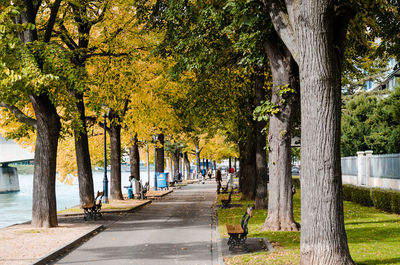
386,200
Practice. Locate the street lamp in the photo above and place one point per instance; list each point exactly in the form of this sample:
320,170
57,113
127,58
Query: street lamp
155,161
105,180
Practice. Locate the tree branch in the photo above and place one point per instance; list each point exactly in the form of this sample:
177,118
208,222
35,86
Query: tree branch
20,115
52,20
93,120
283,26
66,38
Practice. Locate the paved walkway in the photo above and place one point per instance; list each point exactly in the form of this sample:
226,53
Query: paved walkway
178,229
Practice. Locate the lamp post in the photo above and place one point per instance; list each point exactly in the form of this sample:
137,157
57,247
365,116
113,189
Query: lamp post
105,179
155,161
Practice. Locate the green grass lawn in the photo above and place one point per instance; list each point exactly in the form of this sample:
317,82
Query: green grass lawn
374,236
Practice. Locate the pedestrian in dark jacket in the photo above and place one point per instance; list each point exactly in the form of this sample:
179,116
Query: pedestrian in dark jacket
218,178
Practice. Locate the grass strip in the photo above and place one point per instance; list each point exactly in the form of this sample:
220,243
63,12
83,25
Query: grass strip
373,235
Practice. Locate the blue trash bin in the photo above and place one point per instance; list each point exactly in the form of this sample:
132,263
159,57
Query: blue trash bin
162,180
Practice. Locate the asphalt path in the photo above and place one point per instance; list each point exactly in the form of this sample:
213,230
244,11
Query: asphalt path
178,229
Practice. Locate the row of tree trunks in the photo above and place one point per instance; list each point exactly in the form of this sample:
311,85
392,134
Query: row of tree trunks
284,72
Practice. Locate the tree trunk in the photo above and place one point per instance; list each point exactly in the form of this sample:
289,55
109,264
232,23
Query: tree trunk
215,165
234,164
115,142
134,160
198,158
187,164
175,158
44,209
229,164
323,237
261,201
85,176
160,154
284,72
207,165
247,162
48,126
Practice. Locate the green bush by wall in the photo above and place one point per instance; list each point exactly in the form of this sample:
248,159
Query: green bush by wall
382,199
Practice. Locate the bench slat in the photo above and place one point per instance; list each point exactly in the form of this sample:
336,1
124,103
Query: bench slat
234,229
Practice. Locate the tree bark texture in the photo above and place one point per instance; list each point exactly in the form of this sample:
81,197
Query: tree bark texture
44,209
115,142
247,161
134,158
315,36
187,164
160,154
175,158
284,73
85,176
323,237
261,200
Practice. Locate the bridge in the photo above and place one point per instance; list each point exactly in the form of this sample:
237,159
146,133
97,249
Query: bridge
10,152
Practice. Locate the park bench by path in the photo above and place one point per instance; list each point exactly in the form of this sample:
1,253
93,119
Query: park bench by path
238,233
93,210
226,203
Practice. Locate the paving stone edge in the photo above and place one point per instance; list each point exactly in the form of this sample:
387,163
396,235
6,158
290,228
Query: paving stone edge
52,256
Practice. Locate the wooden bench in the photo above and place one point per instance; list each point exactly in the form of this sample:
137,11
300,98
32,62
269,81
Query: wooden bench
226,203
238,233
93,210
225,189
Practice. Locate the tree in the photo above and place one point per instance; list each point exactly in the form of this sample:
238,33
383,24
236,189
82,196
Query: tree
314,32
38,73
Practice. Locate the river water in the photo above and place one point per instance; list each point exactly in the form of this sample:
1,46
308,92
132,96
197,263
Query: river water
16,207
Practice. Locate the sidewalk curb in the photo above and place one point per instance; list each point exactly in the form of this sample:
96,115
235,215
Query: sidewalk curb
105,211
219,247
48,258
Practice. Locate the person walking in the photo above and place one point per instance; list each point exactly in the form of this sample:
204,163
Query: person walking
218,179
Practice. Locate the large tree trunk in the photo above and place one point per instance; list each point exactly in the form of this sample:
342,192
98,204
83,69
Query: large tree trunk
284,73
134,160
315,35
85,176
247,161
48,125
160,154
115,182
261,201
323,237
44,209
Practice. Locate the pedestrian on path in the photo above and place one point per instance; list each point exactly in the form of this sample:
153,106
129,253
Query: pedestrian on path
218,178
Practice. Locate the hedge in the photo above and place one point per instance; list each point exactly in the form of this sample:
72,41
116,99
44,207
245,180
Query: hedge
382,199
